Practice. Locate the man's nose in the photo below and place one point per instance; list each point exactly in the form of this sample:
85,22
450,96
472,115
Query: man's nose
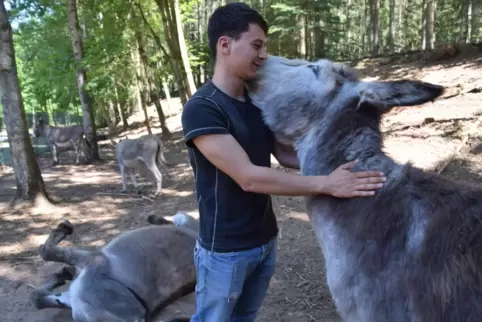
263,54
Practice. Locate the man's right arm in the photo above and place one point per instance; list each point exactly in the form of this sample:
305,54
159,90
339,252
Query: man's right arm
224,152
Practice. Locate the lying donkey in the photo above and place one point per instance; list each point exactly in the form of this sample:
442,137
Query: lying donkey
148,149
130,279
413,251
60,137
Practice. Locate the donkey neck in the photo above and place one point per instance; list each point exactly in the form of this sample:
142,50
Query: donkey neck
46,129
350,136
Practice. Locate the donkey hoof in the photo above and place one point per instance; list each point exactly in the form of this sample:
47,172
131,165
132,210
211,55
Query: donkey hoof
37,299
158,220
183,319
66,227
151,219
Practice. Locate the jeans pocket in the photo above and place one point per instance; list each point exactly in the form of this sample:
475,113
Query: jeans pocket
196,251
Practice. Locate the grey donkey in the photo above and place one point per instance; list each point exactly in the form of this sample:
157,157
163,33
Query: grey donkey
130,279
412,252
148,149
61,137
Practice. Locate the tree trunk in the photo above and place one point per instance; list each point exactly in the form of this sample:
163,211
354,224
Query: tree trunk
141,79
301,19
375,15
169,34
122,105
148,81
430,24
165,88
391,18
85,100
27,171
424,25
474,20
183,48
172,62
166,133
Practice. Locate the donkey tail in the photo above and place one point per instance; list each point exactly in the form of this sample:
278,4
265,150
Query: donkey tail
160,153
86,140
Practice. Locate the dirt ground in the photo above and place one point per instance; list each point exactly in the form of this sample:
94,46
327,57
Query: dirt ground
298,291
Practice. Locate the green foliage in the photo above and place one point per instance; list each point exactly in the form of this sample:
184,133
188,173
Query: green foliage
45,63
337,29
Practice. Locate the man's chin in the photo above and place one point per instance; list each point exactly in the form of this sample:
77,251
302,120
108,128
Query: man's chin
250,77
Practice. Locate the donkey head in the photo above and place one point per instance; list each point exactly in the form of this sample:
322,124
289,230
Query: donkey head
39,127
296,95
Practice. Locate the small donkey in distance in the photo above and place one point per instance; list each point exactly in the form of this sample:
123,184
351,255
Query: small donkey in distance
148,149
60,137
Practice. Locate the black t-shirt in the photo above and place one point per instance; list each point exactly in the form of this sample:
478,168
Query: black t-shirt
231,219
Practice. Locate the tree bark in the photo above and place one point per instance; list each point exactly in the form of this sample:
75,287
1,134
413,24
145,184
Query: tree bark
474,20
172,62
142,90
430,24
85,100
27,171
391,18
183,48
122,105
169,34
375,19
148,83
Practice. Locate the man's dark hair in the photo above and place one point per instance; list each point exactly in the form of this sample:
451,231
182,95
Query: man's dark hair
232,20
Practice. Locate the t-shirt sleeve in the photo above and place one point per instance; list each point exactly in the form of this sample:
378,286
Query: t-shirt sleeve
201,116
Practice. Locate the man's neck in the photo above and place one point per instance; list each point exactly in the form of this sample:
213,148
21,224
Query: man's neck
228,83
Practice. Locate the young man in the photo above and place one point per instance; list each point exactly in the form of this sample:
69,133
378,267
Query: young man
229,149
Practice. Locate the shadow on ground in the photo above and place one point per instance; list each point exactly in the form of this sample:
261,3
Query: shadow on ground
91,202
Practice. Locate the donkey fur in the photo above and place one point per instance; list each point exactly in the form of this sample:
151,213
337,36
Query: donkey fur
130,279
148,149
61,137
413,251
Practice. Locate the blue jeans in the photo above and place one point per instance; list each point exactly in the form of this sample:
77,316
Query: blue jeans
231,286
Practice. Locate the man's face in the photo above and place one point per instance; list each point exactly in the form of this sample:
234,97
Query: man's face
245,55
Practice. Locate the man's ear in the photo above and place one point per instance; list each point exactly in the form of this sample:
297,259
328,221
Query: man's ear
386,95
225,44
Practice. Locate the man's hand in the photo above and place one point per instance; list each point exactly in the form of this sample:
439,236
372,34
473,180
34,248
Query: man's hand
343,183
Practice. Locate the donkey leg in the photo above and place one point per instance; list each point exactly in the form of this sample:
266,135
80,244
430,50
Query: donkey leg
49,251
84,148
41,298
151,164
123,175
76,144
58,300
133,179
55,154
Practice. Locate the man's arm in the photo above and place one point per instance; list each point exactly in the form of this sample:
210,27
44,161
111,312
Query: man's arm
285,155
224,152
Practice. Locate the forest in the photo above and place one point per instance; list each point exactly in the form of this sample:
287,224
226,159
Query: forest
100,61
124,68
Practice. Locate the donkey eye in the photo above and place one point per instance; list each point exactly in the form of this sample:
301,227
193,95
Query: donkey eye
315,69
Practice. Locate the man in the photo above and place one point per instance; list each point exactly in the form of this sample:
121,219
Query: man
229,149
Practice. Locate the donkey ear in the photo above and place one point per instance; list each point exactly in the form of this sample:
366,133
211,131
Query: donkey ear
386,95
